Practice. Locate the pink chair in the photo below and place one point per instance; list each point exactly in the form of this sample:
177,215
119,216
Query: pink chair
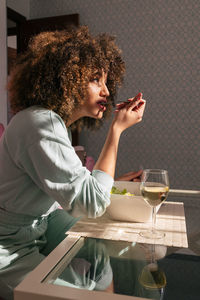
1,129
90,162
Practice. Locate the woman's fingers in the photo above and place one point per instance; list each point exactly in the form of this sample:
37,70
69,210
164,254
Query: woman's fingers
131,113
130,176
141,108
135,100
130,104
134,105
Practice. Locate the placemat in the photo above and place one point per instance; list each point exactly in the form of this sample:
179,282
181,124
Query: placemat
170,219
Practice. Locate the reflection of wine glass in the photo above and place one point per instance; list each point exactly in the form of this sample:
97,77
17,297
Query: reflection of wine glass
154,188
152,279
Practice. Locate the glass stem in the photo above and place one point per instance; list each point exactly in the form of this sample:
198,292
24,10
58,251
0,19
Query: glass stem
153,260
153,218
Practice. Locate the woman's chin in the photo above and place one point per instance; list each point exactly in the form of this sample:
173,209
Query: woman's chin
100,114
96,115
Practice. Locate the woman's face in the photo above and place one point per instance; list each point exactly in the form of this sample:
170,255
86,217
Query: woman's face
95,105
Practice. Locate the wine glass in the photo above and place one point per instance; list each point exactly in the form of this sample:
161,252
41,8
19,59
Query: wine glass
154,189
152,279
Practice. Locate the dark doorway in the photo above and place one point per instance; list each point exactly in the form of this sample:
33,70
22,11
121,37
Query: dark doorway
24,29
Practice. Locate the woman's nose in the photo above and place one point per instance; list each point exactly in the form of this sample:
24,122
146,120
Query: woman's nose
104,90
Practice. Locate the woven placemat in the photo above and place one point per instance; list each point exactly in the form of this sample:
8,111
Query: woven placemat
170,219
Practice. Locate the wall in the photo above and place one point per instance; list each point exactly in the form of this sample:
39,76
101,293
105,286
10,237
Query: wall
160,43
3,64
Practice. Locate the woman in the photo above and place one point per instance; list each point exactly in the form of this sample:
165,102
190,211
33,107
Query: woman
65,80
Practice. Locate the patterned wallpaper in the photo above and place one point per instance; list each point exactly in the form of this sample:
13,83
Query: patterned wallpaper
160,43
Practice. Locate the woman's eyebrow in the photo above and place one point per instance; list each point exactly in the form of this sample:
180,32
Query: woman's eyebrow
97,73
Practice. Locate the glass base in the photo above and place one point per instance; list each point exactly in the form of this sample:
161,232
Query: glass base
152,234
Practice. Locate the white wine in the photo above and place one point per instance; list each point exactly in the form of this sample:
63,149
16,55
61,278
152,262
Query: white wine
152,277
154,195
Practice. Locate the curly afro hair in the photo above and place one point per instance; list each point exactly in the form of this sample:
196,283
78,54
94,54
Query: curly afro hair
57,67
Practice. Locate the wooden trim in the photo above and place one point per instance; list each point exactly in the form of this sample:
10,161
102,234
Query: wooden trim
12,31
12,55
15,16
52,20
184,193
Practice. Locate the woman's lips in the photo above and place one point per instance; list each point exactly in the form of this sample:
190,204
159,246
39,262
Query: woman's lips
102,105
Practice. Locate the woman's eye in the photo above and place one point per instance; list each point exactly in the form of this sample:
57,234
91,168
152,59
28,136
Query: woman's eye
95,79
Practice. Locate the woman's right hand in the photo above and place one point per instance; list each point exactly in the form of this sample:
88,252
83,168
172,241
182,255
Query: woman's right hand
129,113
126,115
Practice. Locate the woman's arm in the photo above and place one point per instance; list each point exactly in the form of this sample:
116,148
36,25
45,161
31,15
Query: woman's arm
125,117
107,159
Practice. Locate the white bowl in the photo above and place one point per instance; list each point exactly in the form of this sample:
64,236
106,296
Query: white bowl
129,208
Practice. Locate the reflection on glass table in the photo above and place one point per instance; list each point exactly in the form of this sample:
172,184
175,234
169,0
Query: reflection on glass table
96,262
152,278
140,270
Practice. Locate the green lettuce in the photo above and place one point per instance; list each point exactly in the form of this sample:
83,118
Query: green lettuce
115,190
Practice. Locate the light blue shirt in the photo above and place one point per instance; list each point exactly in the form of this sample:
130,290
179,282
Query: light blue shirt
39,169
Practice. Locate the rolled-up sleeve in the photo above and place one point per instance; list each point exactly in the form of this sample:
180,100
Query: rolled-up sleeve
55,168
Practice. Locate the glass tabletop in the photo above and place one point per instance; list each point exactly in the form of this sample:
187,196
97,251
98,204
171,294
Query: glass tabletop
83,268
140,270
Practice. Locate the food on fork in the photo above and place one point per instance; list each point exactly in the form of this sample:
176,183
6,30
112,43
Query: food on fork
127,102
